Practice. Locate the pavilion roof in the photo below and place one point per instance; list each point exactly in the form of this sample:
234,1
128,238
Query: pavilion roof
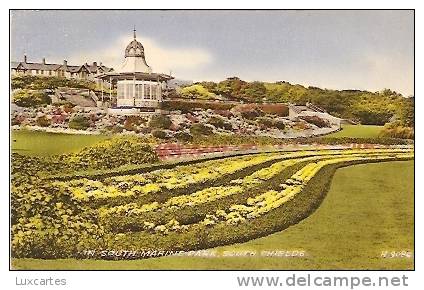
136,75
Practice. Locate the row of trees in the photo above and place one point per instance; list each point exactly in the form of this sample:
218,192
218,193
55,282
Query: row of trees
375,108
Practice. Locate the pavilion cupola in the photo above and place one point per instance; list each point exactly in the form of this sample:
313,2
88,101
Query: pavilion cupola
135,60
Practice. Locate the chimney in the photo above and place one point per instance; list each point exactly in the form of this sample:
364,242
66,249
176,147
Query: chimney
65,63
25,58
44,60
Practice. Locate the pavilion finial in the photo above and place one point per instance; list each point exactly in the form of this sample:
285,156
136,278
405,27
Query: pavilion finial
134,32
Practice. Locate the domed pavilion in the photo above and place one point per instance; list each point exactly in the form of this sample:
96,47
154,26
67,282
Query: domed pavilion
137,85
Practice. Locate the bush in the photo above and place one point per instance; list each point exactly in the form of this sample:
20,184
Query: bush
395,130
111,153
189,106
271,123
49,82
131,122
372,117
183,136
159,134
196,92
79,122
30,98
200,129
218,122
266,122
279,124
317,121
43,121
160,122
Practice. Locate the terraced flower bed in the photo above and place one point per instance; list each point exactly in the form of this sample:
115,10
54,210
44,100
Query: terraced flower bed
187,207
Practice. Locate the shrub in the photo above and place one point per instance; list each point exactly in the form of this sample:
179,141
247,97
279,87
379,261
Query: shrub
279,124
372,117
29,98
200,129
160,122
112,153
196,92
218,122
42,121
266,122
79,122
188,106
159,134
317,121
271,123
49,82
183,136
131,122
395,130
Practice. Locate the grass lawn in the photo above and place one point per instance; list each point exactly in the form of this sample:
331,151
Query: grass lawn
369,209
357,131
42,143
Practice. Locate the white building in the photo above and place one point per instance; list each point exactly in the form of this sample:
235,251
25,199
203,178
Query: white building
137,86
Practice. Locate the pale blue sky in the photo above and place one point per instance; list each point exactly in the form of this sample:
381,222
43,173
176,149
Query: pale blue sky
333,49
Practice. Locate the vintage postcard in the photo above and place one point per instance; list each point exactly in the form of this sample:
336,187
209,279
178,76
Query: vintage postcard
212,140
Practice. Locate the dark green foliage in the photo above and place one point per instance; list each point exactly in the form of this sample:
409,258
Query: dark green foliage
189,215
266,122
159,134
160,122
361,106
31,98
79,122
43,121
218,122
200,129
131,122
183,136
406,114
279,124
51,82
369,117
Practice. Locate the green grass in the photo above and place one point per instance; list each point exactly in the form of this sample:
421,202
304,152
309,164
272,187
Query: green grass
368,209
357,131
42,143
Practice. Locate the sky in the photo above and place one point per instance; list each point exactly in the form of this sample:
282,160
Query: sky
367,50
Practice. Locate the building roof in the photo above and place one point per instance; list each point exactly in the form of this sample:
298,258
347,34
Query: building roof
92,68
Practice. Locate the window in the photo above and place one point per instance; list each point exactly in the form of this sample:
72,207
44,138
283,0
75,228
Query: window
50,72
120,91
37,71
138,91
154,92
130,90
